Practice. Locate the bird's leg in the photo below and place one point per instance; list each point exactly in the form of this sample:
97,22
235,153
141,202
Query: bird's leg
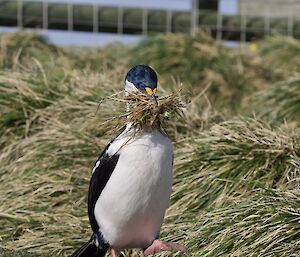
159,246
113,252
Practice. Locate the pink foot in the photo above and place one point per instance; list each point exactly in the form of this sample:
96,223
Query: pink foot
159,246
113,252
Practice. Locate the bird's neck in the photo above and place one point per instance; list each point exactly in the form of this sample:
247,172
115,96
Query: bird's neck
130,127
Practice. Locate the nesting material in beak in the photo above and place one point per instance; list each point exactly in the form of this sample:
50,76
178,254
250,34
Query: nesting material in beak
149,113
154,99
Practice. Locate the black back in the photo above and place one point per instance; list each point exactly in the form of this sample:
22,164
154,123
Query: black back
99,179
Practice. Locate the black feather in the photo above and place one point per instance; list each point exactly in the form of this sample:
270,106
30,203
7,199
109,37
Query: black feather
89,249
99,180
97,183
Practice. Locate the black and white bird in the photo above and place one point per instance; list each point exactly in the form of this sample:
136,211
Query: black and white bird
131,185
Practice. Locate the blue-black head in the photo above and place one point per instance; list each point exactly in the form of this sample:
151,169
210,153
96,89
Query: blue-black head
143,78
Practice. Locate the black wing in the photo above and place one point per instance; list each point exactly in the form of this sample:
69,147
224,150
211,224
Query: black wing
98,181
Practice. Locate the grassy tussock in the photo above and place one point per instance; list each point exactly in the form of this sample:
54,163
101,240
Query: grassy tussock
204,65
5,253
281,54
51,169
280,102
24,49
29,97
232,159
265,224
22,95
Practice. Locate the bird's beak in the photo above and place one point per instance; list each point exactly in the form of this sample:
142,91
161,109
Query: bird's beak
151,94
154,98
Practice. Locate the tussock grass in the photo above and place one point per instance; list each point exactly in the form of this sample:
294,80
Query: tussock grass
233,158
24,49
280,102
44,195
111,57
22,95
265,224
281,54
202,64
7,253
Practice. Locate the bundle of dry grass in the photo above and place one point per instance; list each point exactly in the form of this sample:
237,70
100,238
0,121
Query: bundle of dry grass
144,111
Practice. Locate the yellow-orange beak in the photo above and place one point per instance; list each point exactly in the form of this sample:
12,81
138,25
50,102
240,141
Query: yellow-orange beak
151,93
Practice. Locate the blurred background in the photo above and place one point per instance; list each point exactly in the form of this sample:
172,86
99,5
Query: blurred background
236,188
104,21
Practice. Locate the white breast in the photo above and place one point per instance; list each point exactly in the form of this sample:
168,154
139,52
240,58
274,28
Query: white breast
131,207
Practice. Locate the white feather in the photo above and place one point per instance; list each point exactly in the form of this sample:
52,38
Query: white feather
130,87
131,207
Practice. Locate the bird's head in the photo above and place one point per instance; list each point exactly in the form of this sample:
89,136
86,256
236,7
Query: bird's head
142,78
